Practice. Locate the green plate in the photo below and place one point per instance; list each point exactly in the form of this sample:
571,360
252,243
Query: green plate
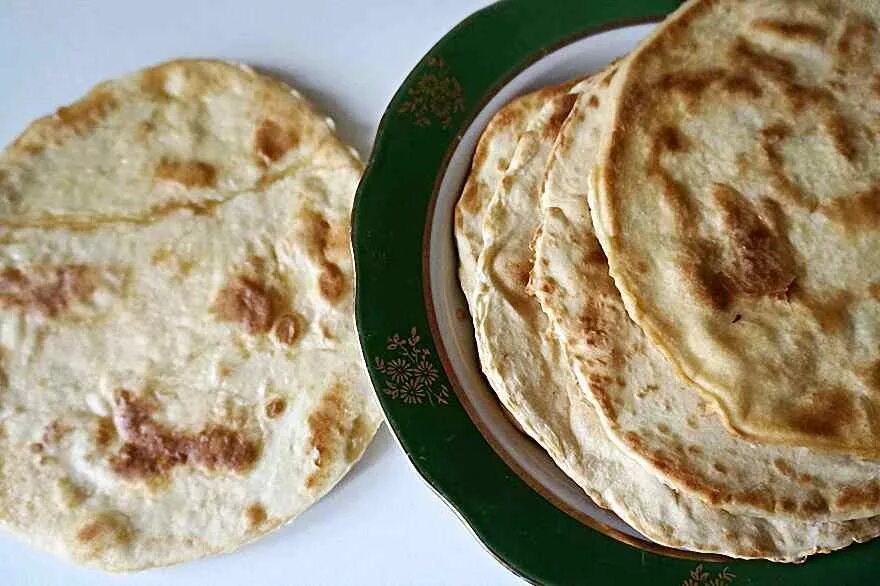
416,333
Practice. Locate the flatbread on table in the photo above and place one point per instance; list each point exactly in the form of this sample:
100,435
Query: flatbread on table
181,372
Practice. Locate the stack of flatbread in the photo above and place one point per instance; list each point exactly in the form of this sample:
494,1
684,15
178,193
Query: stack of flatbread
180,368
673,269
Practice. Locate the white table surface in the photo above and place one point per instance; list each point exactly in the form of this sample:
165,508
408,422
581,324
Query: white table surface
382,524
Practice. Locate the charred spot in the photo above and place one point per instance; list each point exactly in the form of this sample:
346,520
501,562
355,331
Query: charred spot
594,101
152,449
48,290
196,208
272,141
187,173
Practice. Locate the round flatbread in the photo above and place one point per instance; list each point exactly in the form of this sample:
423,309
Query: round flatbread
737,202
643,404
528,370
181,371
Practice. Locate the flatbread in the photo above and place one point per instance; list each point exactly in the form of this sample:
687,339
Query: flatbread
529,371
737,202
491,158
181,371
644,406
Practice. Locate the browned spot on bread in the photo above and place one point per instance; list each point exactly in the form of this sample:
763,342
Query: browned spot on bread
829,310
858,211
327,428
594,101
599,389
719,467
320,240
272,140
561,109
151,449
791,30
670,139
286,329
187,173
247,302
741,84
331,283
197,208
55,432
864,495
761,264
256,515
606,81
72,494
840,134
469,201
519,272
153,81
335,430
663,428
690,85
874,290
821,413
88,112
48,290
875,86
109,528
275,407
753,58
104,432
870,375
856,43
784,467
770,141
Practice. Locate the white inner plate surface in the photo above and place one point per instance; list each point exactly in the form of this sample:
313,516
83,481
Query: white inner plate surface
584,56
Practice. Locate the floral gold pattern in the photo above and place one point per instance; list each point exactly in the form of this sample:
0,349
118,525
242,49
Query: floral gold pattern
435,97
700,577
410,374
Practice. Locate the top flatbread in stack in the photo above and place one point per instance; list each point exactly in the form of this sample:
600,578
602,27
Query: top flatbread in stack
739,212
180,365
